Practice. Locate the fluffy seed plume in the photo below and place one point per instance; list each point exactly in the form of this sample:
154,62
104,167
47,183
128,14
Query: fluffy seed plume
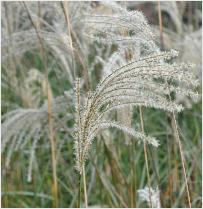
144,82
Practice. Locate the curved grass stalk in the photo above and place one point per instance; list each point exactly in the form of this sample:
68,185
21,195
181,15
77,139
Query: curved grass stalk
64,6
50,122
181,154
173,114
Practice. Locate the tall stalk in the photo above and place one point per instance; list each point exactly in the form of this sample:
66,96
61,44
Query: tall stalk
173,115
64,6
128,56
50,122
181,154
145,155
133,176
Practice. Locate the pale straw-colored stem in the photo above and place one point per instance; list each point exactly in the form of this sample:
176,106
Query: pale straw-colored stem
181,153
173,114
50,122
66,14
146,158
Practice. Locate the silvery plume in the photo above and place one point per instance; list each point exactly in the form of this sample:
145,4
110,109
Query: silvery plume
143,82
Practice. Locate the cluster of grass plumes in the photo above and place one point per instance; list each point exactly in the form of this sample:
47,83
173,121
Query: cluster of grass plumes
85,78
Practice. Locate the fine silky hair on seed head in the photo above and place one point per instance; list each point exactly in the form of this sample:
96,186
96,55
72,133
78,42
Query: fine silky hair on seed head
134,84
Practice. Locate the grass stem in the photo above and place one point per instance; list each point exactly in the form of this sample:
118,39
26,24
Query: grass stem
181,153
50,122
85,187
79,190
146,158
173,114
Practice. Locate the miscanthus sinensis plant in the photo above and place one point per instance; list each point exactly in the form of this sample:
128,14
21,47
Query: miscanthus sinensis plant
143,82
134,72
146,81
